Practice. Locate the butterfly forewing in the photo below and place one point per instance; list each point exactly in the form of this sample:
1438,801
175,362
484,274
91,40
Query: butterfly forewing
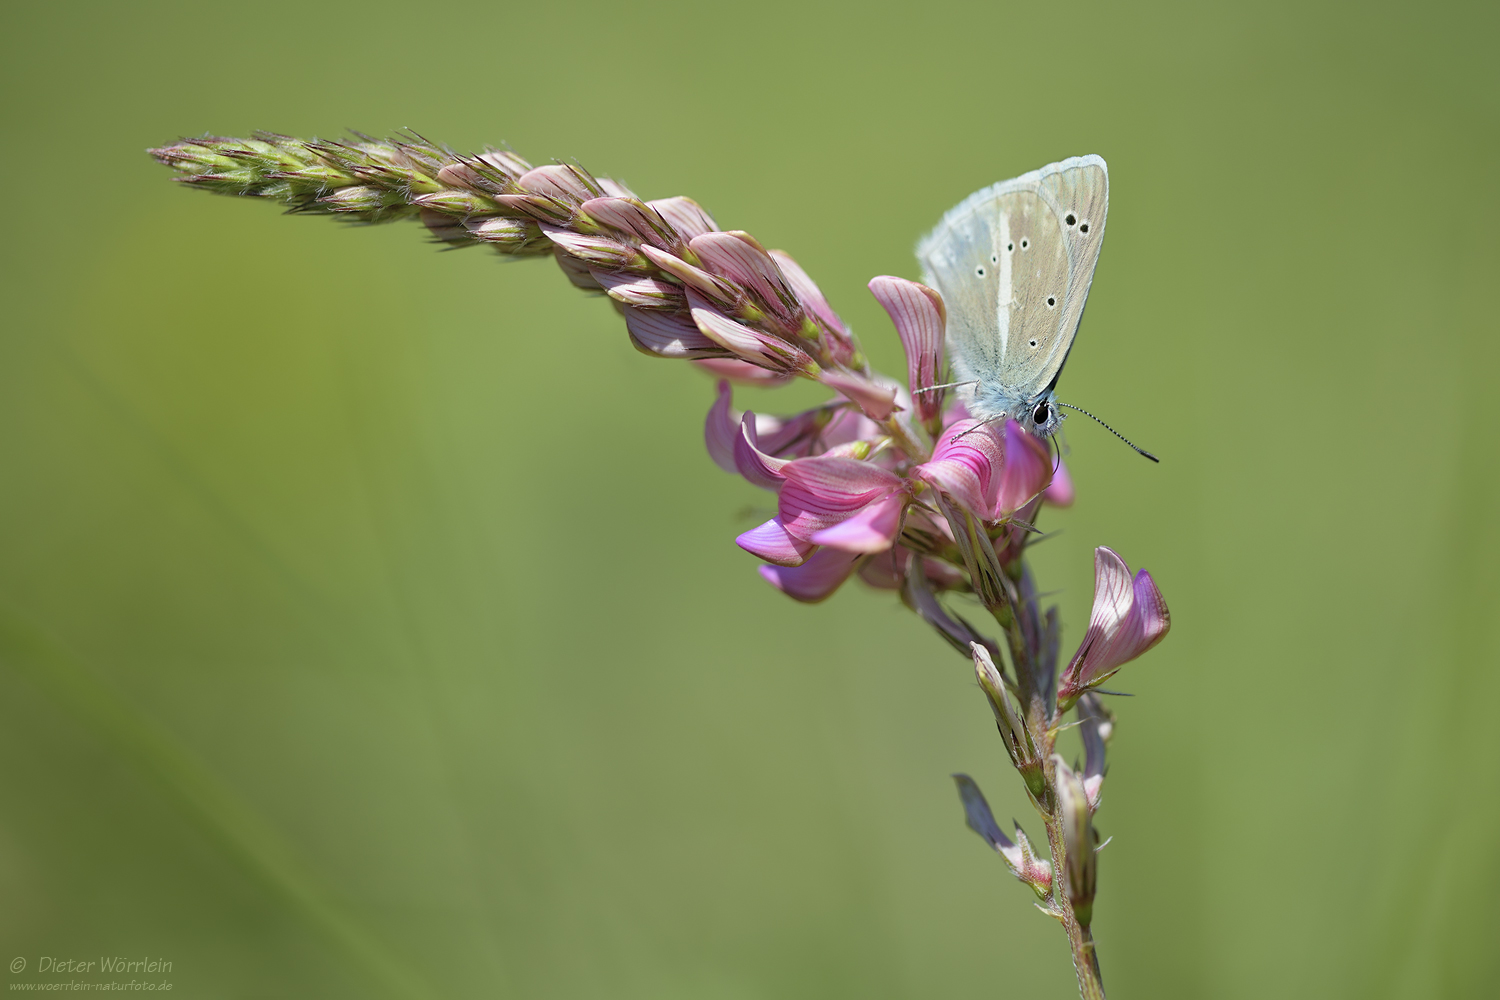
1013,264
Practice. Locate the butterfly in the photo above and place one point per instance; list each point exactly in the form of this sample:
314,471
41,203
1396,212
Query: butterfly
1013,263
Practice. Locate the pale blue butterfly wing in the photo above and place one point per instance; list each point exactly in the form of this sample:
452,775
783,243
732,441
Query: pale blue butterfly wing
1014,263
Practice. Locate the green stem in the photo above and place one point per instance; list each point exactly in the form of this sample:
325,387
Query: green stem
1080,939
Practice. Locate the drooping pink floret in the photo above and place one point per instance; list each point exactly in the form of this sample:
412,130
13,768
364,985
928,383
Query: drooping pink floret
1129,617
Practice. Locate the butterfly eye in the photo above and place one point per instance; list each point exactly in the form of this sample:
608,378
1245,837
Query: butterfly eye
1071,219
1040,414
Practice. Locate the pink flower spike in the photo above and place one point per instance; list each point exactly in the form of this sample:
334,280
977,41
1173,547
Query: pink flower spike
1129,617
772,543
815,580
1060,490
809,294
823,491
919,317
875,400
722,429
754,464
739,371
1028,470
968,464
871,530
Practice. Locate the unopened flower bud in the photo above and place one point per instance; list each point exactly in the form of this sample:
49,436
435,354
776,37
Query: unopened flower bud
722,292
456,201
1079,841
562,182
509,236
600,251
748,343
1012,725
359,198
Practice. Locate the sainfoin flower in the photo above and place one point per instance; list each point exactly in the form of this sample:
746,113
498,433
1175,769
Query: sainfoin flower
903,486
1129,617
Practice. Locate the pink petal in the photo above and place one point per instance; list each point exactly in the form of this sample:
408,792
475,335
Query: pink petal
754,464
919,317
842,478
746,342
850,425
871,530
633,219
722,429
1028,470
968,464
560,181
509,164
809,294
614,188
771,542
1129,617
576,270
738,257
684,215
667,335
538,206
815,579
694,277
740,371
598,250
639,291
793,435
1060,490
820,492
877,401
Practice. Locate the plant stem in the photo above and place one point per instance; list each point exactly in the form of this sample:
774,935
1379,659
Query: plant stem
1080,938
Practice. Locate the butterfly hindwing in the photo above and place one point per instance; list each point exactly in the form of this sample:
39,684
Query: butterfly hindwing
1013,263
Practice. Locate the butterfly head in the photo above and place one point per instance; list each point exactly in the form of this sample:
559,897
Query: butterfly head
1042,416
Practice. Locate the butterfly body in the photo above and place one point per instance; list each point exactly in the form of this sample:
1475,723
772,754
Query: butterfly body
1013,264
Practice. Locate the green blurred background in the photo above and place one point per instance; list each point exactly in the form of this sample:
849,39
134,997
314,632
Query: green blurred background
370,623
